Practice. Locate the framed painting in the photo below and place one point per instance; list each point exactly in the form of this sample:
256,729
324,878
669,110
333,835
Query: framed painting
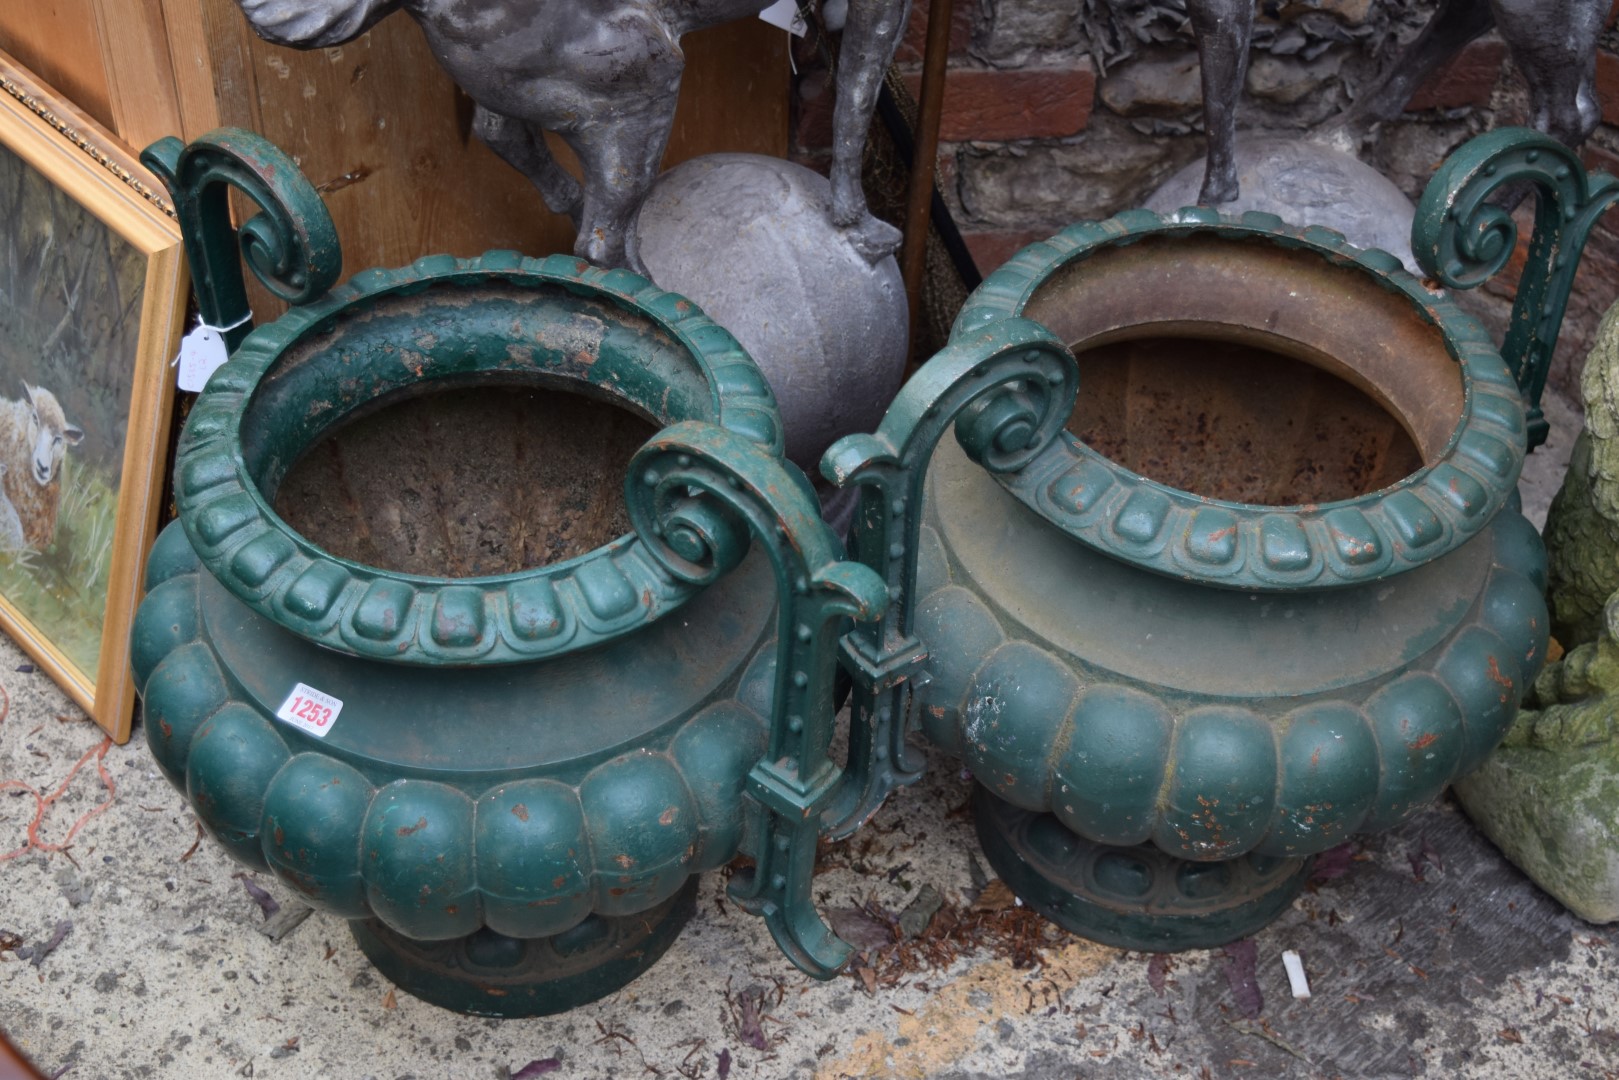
92,304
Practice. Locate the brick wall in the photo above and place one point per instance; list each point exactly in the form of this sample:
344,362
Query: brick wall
1058,110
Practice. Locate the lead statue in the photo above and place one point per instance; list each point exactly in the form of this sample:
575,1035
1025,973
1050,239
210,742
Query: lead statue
603,75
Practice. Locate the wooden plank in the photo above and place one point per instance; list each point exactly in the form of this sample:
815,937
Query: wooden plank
140,77
56,40
229,41
187,25
734,97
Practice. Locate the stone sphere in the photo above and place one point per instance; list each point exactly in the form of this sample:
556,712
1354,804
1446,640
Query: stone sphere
1305,183
751,241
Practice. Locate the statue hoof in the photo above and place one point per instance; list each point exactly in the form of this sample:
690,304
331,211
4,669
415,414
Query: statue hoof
875,240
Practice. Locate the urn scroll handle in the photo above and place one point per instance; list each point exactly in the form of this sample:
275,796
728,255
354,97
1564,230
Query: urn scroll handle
1008,390
1461,239
290,245
695,493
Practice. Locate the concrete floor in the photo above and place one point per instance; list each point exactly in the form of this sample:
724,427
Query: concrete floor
1430,956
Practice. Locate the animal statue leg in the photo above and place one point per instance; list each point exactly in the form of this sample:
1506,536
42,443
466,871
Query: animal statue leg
1554,45
620,160
1454,24
1224,30
522,146
870,37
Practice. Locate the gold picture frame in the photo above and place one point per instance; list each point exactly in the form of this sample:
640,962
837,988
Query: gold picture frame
93,292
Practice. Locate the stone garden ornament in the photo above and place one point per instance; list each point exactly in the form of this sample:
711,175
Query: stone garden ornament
604,77
1549,797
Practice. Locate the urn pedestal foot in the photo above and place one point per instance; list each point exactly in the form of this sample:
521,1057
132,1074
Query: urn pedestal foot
490,974
1132,897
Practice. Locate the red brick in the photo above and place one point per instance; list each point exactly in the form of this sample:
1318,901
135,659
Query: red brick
991,249
1595,157
914,43
1608,85
1034,103
1468,79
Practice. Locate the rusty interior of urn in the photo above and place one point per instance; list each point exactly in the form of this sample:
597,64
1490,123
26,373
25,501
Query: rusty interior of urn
1242,371
466,481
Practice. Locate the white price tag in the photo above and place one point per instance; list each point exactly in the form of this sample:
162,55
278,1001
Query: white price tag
310,709
785,14
202,351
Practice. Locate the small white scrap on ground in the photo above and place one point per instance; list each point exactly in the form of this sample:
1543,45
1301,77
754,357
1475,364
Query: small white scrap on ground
1295,974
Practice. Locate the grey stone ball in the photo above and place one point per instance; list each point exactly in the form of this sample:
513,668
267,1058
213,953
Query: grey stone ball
1305,183
751,241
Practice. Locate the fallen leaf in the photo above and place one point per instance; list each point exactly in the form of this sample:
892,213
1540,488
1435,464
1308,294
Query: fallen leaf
749,1029
267,903
868,978
722,1064
914,920
1510,1035
389,1001
859,928
1333,863
997,896
1157,972
537,1068
192,850
48,946
1241,965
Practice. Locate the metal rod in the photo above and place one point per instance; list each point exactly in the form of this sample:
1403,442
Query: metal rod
919,200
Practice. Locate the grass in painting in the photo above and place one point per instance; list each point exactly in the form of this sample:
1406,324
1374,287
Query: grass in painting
64,587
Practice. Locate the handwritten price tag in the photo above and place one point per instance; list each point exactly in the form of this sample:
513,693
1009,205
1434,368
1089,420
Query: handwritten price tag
310,709
785,14
202,352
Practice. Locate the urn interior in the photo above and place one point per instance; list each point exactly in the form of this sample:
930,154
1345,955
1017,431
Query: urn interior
466,480
1251,373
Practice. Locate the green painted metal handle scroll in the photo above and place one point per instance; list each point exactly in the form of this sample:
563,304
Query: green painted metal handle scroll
691,491
1461,239
1012,388
291,245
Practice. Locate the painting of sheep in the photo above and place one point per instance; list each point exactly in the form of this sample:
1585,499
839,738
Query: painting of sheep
34,437
93,294
71,291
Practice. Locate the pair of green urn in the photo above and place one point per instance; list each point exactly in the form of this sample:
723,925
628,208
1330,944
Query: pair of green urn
1261,584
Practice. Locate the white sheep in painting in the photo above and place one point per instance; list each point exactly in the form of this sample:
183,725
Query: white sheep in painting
34,437
11,534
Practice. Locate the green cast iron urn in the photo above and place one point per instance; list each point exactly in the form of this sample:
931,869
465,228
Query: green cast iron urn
492,615
1225,563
